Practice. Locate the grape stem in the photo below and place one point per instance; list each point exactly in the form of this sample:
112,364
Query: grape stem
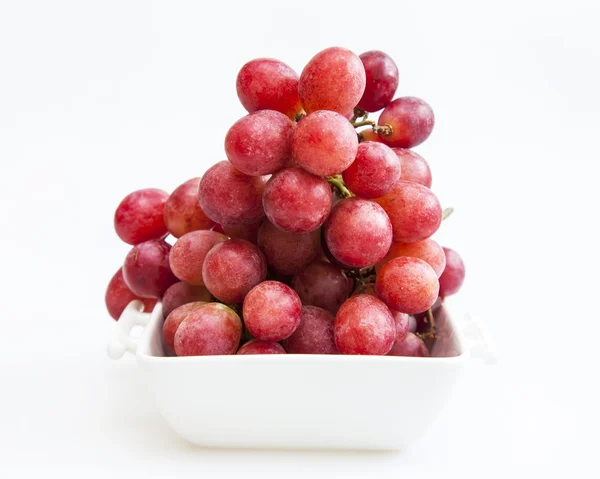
385,130
358,113
447,212
338,183
432,333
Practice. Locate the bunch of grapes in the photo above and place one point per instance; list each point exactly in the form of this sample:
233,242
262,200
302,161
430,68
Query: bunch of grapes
313,237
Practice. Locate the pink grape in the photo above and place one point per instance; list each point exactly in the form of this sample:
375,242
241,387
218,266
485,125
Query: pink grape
453,276
209,330
232,268
182,210
297,201
245,232
427,250
175,318
358,232
146,270
272,311
139,216
269,84
334,79
374,172
322,284
381,80
182,293
411,346
314,334
402,325
324,143
288,253
408,285
118,296
414,211
257,346
414,167
364,325
260,143
230,197
412,324
188,253
411,120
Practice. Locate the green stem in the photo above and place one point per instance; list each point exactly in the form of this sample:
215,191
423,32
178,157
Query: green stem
336,181
447,212
357,124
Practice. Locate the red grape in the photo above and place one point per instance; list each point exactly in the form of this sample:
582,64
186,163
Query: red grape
322,284
257,346
427,250
374,172
182,293
381,80
314,334
370,135
414,211
272,311
269,84
139,217
297,201
288,253
408,285
232,268
402,324
245,232
453,276
358,232
175,318
211,329
411,346
334,79
118,296
364,325
182,210
414,167
146,270
324,143
412,324
188,253
229,197
260,143
411,120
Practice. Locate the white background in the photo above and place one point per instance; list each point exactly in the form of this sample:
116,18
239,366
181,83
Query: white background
101,98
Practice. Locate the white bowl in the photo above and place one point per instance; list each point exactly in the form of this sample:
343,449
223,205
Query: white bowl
299,401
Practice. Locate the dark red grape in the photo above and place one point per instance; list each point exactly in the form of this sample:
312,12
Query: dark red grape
314,334
322,284
146,270
427,250
182,210
414,167
454,274
188,253
175,318
411,346
182,293
297,201
257,346
245,232
381,80
118,296
411,120
140,216
412,324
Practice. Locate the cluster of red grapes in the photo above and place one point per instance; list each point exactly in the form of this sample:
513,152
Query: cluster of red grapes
313,237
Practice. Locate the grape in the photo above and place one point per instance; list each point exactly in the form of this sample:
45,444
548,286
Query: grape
412,324
322,284
414,211
411,120
314,334
245,232
268,84
381,80
402,325
182,210
139,217
182,293
324,143
297,201
453,276
175,318
188,253
118,296
288,253
209,330
232,268
358,232
370,135
411,346
146,270
374,172
364,325
260,143
272,311
408,285
427,250
257,346
414,167
229,197
334,79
